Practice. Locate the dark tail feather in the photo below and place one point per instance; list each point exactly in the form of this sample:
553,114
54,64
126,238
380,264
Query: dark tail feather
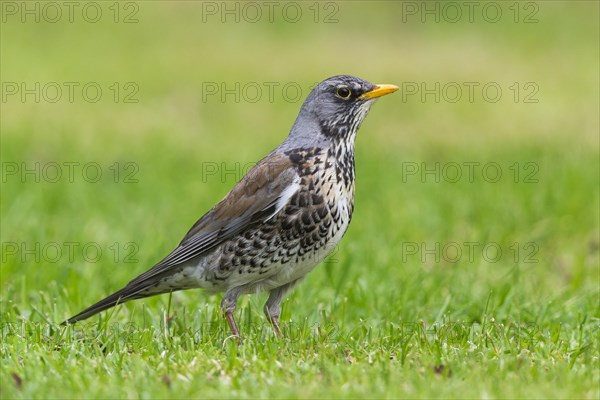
123,295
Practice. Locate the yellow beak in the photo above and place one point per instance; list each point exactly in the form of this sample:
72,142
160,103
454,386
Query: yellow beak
380,90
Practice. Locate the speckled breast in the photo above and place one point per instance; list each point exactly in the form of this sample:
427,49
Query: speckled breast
302,234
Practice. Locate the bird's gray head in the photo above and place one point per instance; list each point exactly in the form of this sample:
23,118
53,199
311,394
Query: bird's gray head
334,110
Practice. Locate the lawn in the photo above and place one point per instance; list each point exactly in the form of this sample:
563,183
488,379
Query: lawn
471,268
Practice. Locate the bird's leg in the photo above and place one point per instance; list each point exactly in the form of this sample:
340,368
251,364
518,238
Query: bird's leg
228,305
273,316
273,305
232,325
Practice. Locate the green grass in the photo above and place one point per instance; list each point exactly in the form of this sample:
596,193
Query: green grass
387,315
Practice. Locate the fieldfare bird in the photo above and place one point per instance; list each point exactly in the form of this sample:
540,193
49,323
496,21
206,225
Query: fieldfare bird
280,220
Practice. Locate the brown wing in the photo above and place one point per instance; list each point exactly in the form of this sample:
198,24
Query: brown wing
255,199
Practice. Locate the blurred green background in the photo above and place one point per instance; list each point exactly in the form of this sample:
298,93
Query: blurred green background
178,148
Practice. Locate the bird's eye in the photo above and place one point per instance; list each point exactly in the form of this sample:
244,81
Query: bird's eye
343,92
